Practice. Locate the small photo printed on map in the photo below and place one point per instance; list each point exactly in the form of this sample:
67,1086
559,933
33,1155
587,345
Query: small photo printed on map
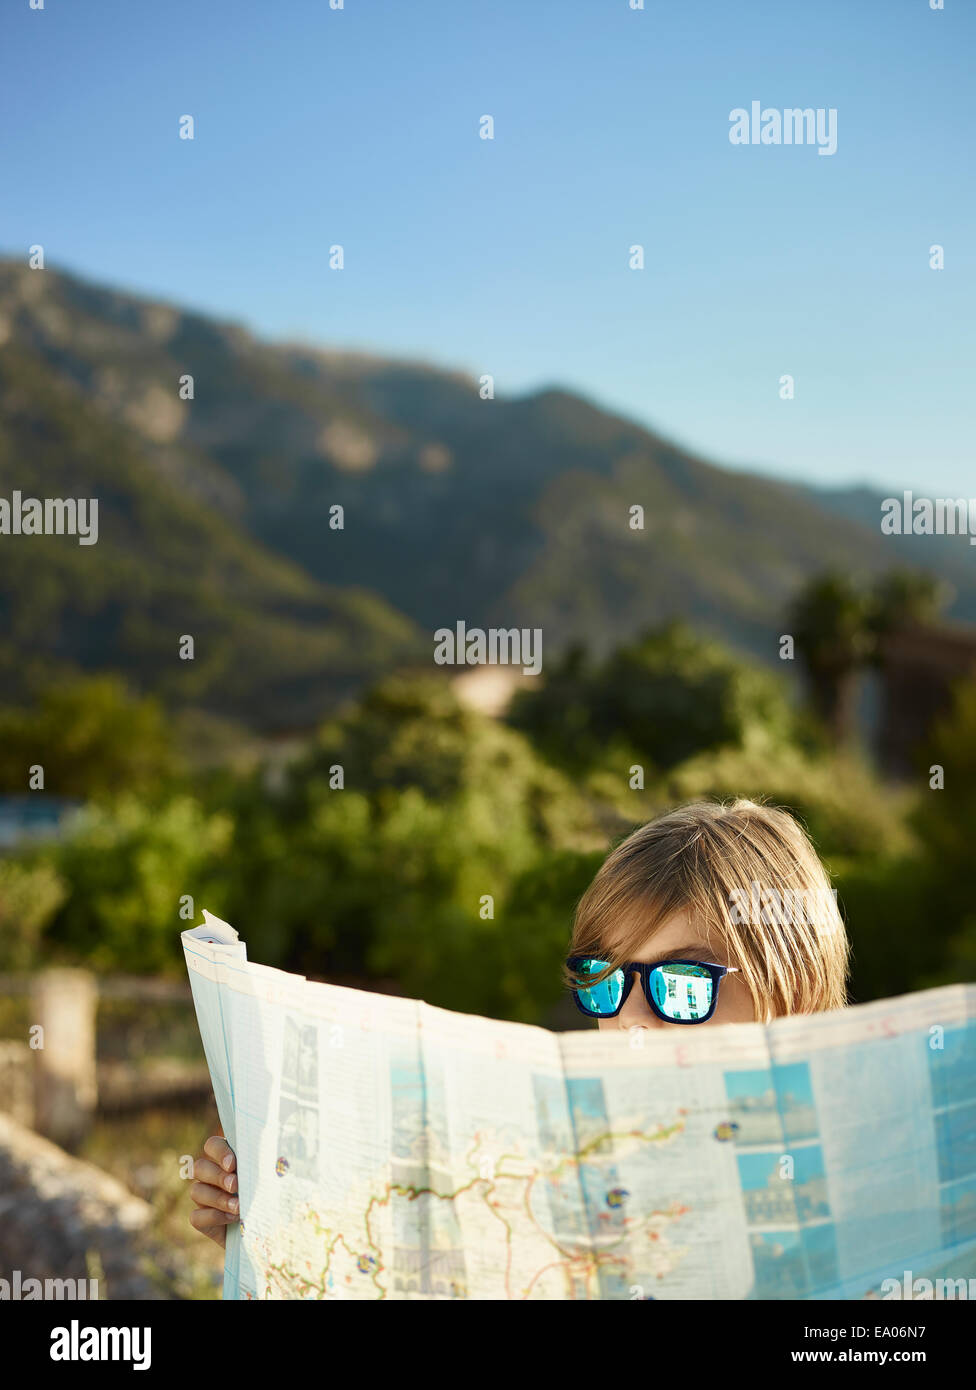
780,1189
772,1106
794,1263
298,1138
300,1060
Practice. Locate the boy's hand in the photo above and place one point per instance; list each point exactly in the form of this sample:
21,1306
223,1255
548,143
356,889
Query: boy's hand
214,1190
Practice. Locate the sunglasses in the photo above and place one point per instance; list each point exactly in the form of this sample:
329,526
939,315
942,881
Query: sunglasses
677,991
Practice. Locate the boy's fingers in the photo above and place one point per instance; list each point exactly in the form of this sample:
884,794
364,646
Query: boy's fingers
204,1170
207,1196
210,1223
208,1218
213,1189
221,1152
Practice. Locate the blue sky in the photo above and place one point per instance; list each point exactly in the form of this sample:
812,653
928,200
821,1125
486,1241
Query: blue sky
509,256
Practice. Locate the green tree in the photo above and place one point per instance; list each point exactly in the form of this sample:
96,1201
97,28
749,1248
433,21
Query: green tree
830,622
410,872
30,894
903,598
125,868
913,921
661,699
93,739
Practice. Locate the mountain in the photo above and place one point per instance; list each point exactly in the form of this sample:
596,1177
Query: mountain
273,647
507,512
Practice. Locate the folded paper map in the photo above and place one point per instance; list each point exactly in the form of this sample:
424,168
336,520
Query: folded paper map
390,1149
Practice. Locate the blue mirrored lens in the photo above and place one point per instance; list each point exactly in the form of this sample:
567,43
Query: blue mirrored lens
682,992
603,998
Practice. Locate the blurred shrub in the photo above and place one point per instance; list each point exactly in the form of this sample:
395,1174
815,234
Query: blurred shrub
384,880
412,732
506,966
845,808
29,897
944,821
92,737
659,701
896,944
441,809
125,868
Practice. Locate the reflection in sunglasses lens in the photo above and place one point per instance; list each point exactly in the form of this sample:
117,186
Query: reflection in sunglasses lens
682,992
602,998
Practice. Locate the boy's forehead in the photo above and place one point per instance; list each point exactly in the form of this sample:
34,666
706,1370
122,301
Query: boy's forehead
675,933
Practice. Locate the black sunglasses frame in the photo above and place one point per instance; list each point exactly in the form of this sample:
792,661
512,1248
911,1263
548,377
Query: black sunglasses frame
643,969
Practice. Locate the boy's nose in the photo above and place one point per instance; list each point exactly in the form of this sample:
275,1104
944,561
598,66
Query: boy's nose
637,1013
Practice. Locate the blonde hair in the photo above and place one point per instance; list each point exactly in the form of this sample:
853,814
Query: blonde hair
740,870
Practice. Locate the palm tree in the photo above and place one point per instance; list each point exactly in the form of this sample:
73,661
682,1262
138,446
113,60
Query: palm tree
905,598
830,620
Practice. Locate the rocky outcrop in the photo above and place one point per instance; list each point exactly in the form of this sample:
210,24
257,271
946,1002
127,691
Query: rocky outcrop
63,1219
